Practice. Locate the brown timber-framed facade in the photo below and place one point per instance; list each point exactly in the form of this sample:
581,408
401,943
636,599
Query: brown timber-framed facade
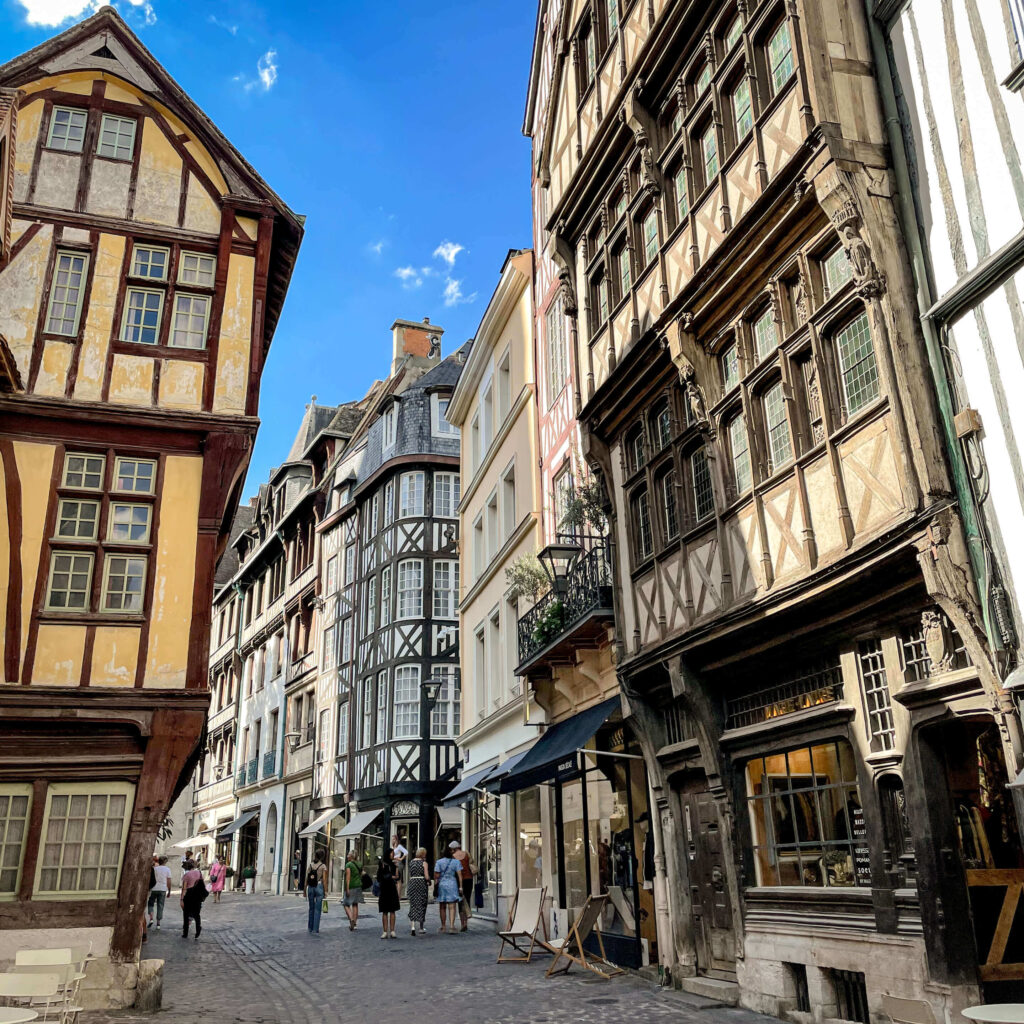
799,644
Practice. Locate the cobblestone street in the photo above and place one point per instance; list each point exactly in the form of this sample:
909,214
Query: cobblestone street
256,964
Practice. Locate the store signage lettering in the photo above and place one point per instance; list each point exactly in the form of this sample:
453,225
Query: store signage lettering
861,854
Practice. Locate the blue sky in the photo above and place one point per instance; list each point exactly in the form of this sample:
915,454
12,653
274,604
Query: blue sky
394,126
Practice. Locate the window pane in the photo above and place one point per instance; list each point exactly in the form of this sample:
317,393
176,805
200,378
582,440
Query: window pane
836,270
14,807
625,275
703,80
77,519
67,129
411,494
196,268
709,147
129,524
780,450
740,453
142,316
135,475
117,137
733,32
650,228
730,368
85,471
66,293
780,57
766,338
857,363
682,198
642,525
148,262
124,583
742,110
703,495
70,581
190,313
668,504
556,352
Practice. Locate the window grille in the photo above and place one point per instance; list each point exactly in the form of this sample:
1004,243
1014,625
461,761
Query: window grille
818,683
877,699
851,995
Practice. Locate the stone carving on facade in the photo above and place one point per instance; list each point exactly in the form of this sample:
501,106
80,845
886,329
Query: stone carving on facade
869,280
648,165
937,640
800,306
696,399
566,293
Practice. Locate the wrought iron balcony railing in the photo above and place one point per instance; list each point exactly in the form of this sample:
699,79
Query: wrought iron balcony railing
253,765
587,589
269,763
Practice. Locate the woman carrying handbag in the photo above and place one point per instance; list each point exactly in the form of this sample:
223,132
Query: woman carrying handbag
387,900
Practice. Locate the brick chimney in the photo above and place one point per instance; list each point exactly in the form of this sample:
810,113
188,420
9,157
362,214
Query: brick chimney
417,345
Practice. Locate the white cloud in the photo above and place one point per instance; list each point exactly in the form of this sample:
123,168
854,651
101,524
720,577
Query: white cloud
409,276
378,246
214,20
56,12
453,293
447,251
266,71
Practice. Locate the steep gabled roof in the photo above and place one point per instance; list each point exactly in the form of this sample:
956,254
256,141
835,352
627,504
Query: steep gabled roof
229,562
446,373
105,43
315,419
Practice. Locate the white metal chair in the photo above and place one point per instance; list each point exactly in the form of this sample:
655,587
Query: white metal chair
79,956
42,990
901,1010
68,979
524,921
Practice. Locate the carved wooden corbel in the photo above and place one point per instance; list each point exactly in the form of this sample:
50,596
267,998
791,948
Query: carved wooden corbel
846,218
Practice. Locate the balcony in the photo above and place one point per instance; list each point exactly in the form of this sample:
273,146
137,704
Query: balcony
559,624
269,763
301,666
253,764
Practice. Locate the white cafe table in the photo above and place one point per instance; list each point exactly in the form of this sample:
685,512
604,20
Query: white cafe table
996,1013
16,1015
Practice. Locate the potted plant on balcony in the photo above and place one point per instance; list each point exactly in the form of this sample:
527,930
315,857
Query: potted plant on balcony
584,507
525,578
550,623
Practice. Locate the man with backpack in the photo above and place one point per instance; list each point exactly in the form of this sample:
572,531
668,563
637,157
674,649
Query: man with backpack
193,892
316,881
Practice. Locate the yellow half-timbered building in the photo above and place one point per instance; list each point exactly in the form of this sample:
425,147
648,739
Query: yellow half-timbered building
139,291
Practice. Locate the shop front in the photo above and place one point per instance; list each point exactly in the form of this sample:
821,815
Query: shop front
582,827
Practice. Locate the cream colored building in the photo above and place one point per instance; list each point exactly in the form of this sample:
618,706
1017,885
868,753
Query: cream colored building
495,407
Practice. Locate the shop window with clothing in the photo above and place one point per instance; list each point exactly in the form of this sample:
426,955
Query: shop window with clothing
484,846
806,818
529,838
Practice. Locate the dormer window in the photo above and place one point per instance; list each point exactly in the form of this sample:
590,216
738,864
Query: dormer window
390,421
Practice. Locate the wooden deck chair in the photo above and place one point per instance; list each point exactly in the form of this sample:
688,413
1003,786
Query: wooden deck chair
901,1010
571,947
524,921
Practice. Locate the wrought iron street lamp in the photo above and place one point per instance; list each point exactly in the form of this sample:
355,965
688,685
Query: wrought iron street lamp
557,560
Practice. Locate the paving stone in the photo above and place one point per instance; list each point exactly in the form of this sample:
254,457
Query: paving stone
257,964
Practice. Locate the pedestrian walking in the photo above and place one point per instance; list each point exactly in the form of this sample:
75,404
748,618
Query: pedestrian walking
448,875
462,856
193,892
401,855
419,881
388,901
353,890
159,890
316,882
218,875
297,870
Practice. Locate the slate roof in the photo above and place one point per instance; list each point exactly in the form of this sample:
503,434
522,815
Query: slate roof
446,373
229,563
316,418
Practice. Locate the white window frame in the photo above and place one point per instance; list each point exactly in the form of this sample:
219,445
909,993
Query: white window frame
189,331
75,517
137,264
346,640
85,471
194,276
370,620
407,490
127,321
71,255
107,563
10,791
447,508
329,660
410,567
555,349
54,555
389,424
405,722
389,502
342,733
385,596
71,790
75,112
133,507
116,124
119,474
446,591
445,716
439,425
331,575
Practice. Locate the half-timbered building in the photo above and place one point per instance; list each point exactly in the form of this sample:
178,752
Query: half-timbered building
144,279
799,639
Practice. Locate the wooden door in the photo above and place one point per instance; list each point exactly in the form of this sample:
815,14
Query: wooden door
709,890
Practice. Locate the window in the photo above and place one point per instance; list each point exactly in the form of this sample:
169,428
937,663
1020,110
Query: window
661,427
129,524
410,500
479,553
703,80
766,338
382,707
742,112
780,448
390,421
67,129
389,502
135,475
407,702
806,818
367,713
603,301
446,589
667,488
709,149
70,581
195,268
508,502
374,515
346,641
613,20
556,353
446,494
642,526
150,262
780,57
857,364
343,728
322,737
733,33
350,564
443,426
636,450
682,196
123,582
650,233
587,57
141,321
77,519
877,701
619,205
410,588
190,317
66,293
625,271
563,490
385,595
740,450
504,387
836,271
729,361
703,493
370,619
84,472
117,137
329,659
15,803
84,829
444,720
332,575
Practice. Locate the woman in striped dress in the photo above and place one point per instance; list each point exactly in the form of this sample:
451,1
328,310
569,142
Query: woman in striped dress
419,879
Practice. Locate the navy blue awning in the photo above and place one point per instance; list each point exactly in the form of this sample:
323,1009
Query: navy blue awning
554,755
492,780
464,788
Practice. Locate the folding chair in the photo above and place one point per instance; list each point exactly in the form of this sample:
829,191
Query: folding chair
571,947
524,920
68,976
80,956
901,1010
27,988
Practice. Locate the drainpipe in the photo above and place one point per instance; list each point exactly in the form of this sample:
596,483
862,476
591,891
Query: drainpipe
921,269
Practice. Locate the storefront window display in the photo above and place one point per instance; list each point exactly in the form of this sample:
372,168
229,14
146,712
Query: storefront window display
807,819
485,851
529,841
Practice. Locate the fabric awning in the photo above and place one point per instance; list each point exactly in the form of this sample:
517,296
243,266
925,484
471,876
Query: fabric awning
554,755
358,823
492,780
317,824
463,789
205,839
229,830
451,817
